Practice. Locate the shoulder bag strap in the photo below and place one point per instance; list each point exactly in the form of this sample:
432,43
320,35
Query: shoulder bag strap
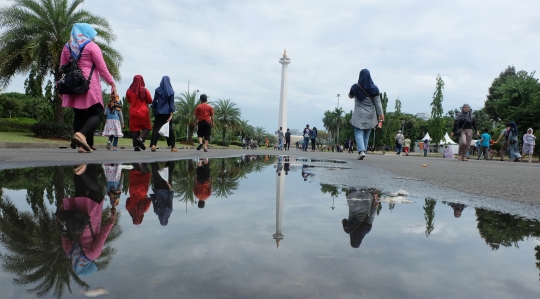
365,91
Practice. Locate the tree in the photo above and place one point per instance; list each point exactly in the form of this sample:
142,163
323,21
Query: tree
245,129
227,115
492,97
436,123
258,134
185,113
518,100
332,120
429,214
35,31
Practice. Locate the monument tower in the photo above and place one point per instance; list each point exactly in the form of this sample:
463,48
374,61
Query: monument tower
283,94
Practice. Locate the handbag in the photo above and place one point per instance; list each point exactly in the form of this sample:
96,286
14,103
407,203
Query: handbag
458,131
73,80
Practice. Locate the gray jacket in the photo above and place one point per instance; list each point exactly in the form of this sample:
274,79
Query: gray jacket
366,112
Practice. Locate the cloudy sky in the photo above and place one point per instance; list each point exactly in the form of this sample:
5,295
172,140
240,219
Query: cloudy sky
231,49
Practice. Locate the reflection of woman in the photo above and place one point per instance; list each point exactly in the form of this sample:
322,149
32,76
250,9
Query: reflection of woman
115,178
362,211
139,98
466,122
88,199
138,201
162,199
88,106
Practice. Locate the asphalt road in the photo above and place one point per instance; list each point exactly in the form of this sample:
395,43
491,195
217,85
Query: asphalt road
502,180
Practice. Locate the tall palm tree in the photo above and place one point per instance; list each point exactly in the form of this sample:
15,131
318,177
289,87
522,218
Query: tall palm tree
244,128
34,33
227,115
185,109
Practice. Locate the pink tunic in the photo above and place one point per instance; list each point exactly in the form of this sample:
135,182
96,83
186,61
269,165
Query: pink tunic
91,54
92,248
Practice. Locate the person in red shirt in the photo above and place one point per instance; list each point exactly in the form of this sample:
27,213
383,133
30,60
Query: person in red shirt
205,121
203,184
139,98
138,201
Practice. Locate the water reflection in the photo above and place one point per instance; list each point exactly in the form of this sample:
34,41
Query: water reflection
362,210
40,258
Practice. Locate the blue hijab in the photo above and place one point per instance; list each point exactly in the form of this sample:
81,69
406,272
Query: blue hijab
81,35
365,81
165,89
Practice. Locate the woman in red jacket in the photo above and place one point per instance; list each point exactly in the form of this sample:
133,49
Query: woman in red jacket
139,98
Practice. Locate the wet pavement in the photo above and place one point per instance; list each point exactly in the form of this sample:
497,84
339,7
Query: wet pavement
260,227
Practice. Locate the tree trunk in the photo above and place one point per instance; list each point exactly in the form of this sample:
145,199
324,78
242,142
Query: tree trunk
58,109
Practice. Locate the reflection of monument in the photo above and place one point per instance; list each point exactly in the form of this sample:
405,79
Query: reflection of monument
283,95
280,188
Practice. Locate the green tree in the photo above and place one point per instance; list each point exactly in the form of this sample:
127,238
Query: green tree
34,33
493,97
185,113
245,129
436,123
228,116
258,134
429,215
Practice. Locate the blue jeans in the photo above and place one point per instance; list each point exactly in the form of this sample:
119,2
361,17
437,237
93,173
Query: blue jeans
114,140
398,148
306,143
362,138
280,144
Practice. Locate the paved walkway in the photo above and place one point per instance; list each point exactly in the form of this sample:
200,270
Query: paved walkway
506,180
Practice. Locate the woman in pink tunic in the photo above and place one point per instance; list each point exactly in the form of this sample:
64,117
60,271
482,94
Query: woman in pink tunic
88,106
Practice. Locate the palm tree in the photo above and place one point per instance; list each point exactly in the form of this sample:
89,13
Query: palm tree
34,250
227,115
259,134
244,128
34,33
332,120
185,109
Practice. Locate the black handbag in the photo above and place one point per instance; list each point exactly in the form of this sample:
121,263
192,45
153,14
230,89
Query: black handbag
73,80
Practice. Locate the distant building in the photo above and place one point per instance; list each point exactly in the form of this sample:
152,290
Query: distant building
423,115
295,132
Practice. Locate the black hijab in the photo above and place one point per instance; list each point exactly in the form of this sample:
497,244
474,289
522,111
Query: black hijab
365,81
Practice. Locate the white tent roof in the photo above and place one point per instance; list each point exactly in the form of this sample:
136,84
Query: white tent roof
447,140
426,137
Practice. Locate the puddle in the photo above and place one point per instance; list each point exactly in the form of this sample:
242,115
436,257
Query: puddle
253,227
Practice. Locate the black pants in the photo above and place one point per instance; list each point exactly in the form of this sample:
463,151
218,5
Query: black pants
287,144
86,185
312,144
86,121
142,134
159,121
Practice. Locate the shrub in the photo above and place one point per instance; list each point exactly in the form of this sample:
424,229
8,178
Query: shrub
222,143
237,143
16,124
52,130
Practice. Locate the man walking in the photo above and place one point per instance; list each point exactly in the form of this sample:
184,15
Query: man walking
280,138
205,121
288,140
406,145
399,142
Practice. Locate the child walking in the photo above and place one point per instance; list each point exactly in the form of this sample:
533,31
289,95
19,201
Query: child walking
115,123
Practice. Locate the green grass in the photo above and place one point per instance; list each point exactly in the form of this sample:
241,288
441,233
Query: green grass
26,138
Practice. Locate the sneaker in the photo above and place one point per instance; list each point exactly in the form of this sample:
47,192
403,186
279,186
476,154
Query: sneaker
141,144
137,149
362,155
205,151
199,147
108,146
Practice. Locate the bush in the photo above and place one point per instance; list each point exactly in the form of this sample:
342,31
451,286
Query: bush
237,143
16,124
52,130
222,143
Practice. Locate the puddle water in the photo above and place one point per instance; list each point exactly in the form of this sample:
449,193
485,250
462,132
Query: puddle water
250,227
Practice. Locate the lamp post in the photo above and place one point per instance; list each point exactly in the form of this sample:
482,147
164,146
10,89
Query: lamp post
339,118
403,127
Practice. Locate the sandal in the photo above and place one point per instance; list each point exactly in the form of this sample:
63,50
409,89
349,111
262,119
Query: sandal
80,169
80,140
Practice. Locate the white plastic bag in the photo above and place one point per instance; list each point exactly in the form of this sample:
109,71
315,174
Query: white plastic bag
164,173
164,131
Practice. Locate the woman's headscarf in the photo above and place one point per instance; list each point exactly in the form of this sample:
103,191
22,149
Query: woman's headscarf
513,128
465,116
530,130
365,81
138,87
165,87
81,35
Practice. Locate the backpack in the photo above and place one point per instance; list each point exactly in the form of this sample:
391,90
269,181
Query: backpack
73,80
72,224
